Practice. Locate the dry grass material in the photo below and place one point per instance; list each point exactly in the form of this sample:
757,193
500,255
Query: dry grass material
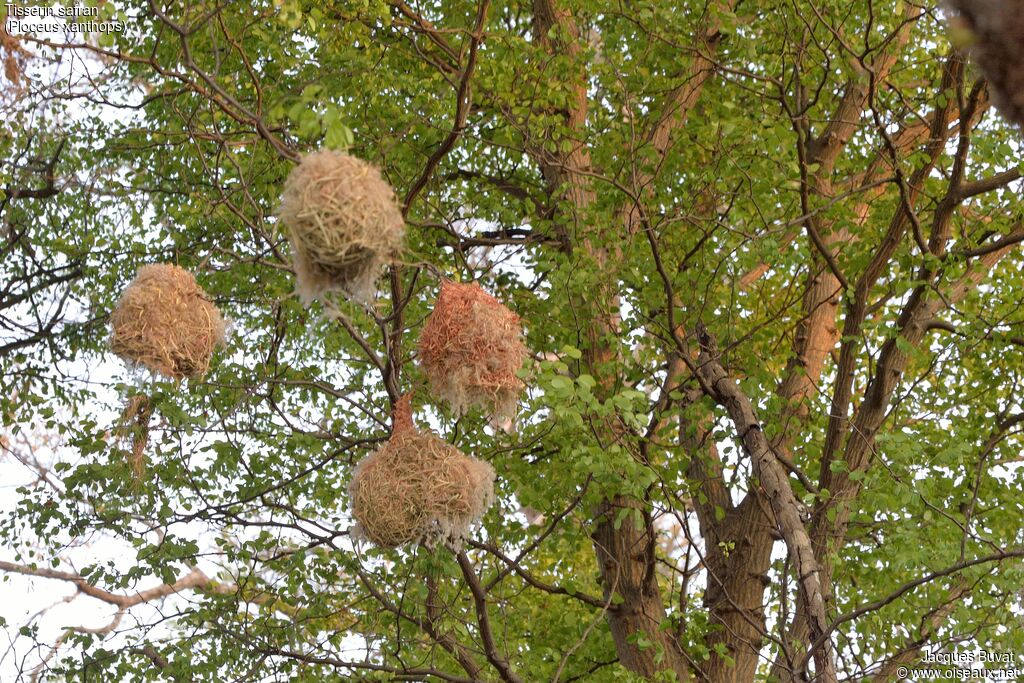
418,488
997,32
133,429
14,57
343,222
471,349
166,323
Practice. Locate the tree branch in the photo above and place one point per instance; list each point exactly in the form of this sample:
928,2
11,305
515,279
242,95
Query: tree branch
483,620
773,478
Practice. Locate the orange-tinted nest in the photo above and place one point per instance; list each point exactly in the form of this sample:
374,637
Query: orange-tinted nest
343,223
418,488
166,323
14,56
471,349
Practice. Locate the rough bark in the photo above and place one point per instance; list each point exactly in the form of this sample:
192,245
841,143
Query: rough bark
774,479
737,557
625,559
738,540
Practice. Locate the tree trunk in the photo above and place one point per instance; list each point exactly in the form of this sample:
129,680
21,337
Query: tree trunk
644,641
738,555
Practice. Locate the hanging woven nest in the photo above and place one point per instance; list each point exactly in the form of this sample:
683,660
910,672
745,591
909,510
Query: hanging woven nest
166,323
471,349
995,34
418,488
14,57
343,223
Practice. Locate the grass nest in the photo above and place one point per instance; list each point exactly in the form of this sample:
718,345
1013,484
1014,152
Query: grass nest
166,323
996,38
471,349
418,488
14,57
343,223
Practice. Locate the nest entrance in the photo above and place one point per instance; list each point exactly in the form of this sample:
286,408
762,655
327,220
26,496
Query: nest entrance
343,223
471,349
418,488
166,323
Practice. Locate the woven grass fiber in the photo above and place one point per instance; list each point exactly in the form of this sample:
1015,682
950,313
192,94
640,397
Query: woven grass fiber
14,57
343,223
470,349
418,488
132,431
997,28
166,323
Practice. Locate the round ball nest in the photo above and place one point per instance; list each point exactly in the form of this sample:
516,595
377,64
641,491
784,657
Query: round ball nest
418,488
166,323
471,349
343,223
996,30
